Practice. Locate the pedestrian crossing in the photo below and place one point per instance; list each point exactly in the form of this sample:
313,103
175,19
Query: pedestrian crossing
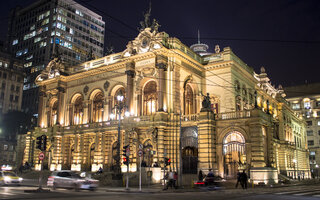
301,192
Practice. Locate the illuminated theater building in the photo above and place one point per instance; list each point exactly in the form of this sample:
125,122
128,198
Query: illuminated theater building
232,118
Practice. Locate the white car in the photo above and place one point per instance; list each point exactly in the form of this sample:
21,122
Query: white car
70,179
9,178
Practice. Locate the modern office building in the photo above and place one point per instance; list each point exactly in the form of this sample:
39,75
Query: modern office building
232,118
11,85
36,31
305,101
11,80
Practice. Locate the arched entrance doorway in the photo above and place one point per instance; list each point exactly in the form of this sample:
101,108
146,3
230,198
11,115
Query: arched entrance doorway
148,154
189,144
234,153
114,155
91,155
48,159
70,157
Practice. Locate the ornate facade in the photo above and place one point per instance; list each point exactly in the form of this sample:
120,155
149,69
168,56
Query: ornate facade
231,117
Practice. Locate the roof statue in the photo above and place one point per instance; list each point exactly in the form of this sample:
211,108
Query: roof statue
206,103
149,38
109,50
146,23
54,68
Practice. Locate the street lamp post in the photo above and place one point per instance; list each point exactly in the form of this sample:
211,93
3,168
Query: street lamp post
119,108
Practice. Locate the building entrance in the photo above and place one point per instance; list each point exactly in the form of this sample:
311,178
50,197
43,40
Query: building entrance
234,154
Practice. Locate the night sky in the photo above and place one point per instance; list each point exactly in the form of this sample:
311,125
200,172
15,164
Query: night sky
281,35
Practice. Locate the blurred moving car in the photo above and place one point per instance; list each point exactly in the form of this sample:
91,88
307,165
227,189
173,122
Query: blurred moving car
9,178
70,179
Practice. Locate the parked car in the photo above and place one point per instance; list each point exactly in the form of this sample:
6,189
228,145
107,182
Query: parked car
70,179
9,178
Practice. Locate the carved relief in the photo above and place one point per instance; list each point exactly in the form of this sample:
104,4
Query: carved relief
85,89
106,85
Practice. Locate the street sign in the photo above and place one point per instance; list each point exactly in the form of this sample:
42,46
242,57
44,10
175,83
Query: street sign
41,156
140,146
140,153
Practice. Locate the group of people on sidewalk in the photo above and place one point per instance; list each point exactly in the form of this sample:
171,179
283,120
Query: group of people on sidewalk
171,178
242,178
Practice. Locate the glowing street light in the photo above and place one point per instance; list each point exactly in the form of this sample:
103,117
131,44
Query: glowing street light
119,107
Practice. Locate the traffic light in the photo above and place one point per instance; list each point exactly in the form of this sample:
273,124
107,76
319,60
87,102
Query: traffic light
126,154
167,161
44,142
125,161
39,142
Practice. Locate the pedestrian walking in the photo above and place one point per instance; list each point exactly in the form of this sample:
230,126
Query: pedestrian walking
170,179
200,176
175,178
238,179
244,180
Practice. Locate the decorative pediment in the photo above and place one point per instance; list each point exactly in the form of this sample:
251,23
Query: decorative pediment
147,40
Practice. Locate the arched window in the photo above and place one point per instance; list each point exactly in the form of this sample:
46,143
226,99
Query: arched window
97,109
150,98
54,113
188,100
78,111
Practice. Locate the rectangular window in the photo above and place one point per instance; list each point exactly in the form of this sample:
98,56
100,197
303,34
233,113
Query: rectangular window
5,147
312,153
307,105
318,132
319,123
310,133
16,98
309,123
12,87
310,142
11,97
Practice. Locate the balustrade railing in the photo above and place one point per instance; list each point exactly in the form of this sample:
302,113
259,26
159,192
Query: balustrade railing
192,117
234,115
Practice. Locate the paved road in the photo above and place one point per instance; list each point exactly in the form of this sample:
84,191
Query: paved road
290,193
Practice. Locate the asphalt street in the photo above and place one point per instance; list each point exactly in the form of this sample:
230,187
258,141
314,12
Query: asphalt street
290,193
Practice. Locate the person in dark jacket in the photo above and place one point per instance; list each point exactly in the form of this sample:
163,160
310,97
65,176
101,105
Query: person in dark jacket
200,176
238,179
244,179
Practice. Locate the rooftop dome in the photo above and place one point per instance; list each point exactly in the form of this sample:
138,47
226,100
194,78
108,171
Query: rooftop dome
200,48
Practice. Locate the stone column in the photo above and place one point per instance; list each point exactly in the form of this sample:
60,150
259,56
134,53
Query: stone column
105,110
85,112
139,102
206,141
161,146
61,107
130,71
257,148
162,67
42,107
